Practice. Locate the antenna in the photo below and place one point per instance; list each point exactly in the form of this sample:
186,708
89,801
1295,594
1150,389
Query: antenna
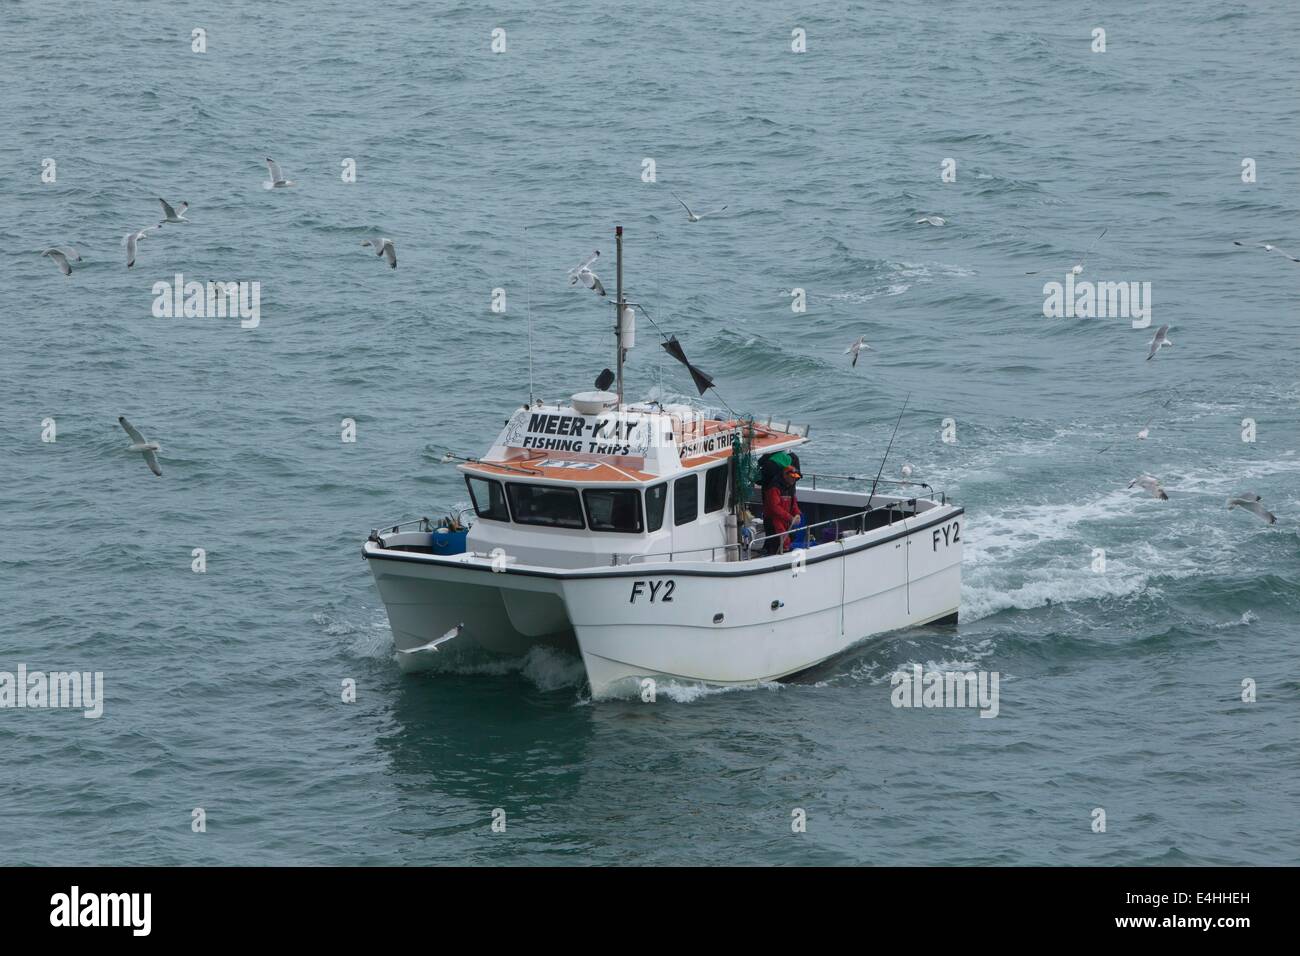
528,308
619,305
891,445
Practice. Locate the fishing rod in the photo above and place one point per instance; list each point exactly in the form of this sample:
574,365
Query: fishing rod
887,449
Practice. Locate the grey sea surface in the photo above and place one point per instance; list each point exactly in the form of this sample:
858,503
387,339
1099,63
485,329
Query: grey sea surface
1120,689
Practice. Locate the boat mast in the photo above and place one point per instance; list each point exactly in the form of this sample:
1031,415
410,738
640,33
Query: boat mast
619,305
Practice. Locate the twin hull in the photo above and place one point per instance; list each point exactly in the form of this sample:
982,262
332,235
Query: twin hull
718,623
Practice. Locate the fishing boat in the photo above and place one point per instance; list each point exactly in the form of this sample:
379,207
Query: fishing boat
632,534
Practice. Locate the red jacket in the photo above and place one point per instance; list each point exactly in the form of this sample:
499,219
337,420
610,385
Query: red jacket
780,509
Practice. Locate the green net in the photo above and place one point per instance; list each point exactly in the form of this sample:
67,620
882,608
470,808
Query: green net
744,466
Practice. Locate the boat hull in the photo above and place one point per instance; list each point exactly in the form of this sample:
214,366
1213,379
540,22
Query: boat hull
760,626
729,623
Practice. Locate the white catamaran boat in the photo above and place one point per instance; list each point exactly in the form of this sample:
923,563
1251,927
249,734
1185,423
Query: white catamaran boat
632,534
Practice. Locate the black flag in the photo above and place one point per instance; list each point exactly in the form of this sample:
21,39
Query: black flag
703,380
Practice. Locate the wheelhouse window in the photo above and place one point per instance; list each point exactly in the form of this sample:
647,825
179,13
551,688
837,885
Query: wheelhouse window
686,499
715,488
655,499
614,509
549,505
489,500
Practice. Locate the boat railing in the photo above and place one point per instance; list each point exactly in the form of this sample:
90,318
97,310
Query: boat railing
420,524
860,517
943,496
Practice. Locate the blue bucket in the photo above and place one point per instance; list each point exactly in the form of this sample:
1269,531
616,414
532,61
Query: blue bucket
446,541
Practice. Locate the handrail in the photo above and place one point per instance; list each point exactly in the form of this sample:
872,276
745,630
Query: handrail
943,495
423,524
726,547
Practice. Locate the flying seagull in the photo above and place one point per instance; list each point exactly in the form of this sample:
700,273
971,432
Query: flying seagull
277,180
139,444
694,216
932,220
906,471
1143,433
857,348
1151,484
130,239
1267,247
1160,341
1254,505
383,247
61,257
1078,266
433,644
173,215
584,275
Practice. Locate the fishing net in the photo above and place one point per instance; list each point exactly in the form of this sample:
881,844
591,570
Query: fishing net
744,472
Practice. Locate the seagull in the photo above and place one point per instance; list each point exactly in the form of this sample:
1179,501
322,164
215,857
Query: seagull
1143,433
906,471
139,444
173,215
1151,484
1267,248
694,216
61,257
433,644
130,239
932,220
584,275
277,180
1078,266
1253,504
1160,341
857,348
383,247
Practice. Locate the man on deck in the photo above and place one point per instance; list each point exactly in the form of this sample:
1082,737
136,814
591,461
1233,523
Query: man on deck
780,506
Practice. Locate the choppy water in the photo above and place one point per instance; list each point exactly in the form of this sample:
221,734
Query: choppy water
1120,690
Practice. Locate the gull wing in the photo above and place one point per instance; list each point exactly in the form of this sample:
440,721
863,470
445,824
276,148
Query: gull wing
274,168
152,461
684,206
578,270
1088,251
59,258
1161,334
1257,508
168,211
389,253
433,644
130,430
